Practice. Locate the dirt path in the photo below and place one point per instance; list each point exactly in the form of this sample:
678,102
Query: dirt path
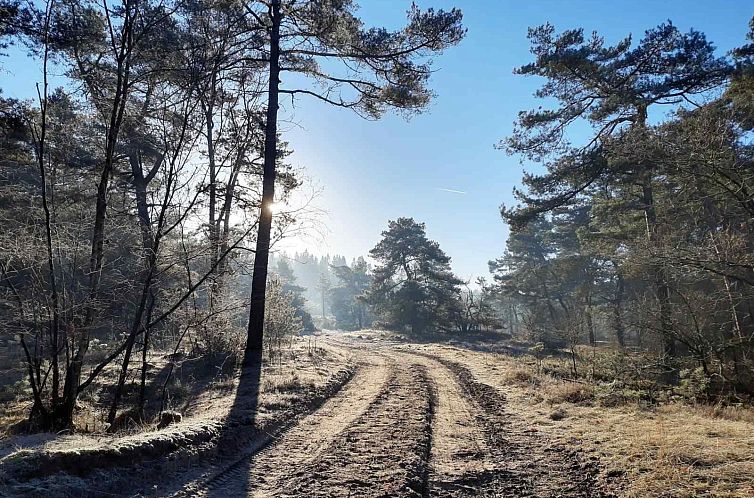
519,462
252,468
382,453
459,453
408,424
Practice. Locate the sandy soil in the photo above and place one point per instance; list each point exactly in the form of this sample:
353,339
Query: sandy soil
411,422
374,417
224,422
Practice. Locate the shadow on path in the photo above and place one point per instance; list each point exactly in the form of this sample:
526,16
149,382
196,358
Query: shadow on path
240,430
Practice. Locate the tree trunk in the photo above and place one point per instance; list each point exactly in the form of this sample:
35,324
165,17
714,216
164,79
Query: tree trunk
261,257
620,331
511,325
573,362
590,328
144,358
226,210
73,373
212,222
661,289
140,183
590,321
55,322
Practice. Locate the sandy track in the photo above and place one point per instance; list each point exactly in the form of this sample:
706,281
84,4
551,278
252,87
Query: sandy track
523,463
383,453
258,467
459,453
302,446
371,439
408,424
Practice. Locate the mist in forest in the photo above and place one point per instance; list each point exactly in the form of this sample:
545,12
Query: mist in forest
265,247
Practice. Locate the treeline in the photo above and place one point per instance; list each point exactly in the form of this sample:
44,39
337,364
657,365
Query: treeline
411,288
129,194
640,231
134,196
313,273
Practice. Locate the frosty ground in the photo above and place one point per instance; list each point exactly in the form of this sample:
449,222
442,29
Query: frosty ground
367,414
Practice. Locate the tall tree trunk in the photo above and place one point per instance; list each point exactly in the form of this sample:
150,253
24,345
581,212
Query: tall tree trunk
225,211
511,324
140,184
149,248
261,257
620,331
73,373
590,327
661,289
212,222
55,321
64,413
145,356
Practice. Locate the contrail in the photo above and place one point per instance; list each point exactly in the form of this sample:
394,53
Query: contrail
452,191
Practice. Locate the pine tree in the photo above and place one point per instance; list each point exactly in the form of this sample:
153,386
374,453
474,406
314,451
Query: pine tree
413,284
376,70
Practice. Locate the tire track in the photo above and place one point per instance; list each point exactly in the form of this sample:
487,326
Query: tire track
252,467
460,459
409,423
309,441
525,464
383,453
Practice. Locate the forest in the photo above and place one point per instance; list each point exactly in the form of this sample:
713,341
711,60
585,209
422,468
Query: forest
147,183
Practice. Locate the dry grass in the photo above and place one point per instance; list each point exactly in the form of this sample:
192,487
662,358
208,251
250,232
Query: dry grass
569,392
12,411
283,385
726,412
520,376
671,451
676,450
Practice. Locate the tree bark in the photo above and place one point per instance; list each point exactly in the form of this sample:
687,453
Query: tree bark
662,291
261,256
620,331
55,322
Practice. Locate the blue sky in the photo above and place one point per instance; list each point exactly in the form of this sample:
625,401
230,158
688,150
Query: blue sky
371,172
375,171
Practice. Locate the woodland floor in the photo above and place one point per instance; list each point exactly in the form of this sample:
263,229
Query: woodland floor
432,420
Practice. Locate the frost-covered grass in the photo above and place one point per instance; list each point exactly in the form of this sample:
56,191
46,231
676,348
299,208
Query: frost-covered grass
670,448
285,389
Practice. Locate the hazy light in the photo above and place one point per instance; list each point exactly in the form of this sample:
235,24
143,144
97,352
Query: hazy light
277,207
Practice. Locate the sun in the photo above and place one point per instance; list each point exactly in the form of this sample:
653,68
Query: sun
277,207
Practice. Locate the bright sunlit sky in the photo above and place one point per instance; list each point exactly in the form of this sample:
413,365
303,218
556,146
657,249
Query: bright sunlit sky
376,171
373,171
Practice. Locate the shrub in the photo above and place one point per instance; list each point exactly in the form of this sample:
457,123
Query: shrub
618,393
570,392
694,385
519,376
281,324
